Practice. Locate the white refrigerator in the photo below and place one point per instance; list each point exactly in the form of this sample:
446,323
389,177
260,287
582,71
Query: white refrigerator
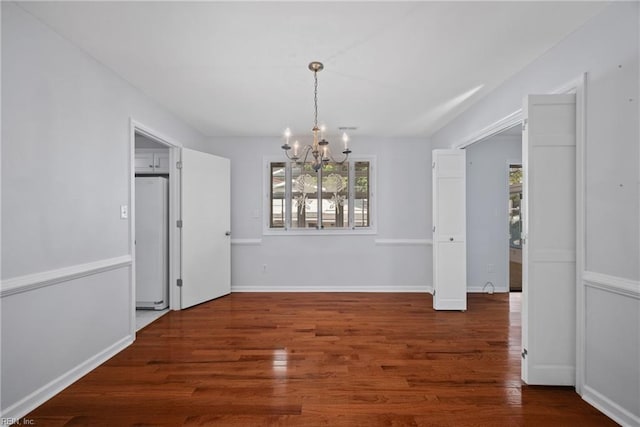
152,243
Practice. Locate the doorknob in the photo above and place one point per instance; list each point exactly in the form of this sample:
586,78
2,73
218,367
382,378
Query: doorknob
227,233
451,239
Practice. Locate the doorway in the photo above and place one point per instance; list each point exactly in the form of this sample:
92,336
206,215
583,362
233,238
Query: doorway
552,320
488,186
154,243
152,229
199,196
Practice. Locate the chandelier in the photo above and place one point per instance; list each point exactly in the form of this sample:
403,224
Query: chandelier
319,149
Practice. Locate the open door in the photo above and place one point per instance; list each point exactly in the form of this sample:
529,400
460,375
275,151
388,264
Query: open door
206,253
549,240
449,230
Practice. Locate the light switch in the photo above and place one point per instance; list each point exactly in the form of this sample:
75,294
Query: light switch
124,212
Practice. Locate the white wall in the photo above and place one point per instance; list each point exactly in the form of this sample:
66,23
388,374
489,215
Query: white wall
487,210
398,258
607,49
66,290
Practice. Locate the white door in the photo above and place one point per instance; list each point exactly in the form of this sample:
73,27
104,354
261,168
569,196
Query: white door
549,240
206,254
449,231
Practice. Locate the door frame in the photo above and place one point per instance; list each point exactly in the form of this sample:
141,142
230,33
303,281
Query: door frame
175,154
577,86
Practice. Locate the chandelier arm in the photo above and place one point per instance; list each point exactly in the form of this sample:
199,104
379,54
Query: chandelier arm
339,162
307,149
286,152
305,154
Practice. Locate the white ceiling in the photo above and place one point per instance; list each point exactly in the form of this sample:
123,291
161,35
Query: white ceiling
240,68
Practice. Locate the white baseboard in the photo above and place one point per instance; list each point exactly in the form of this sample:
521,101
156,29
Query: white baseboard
46,392
480,290
347,288
609,408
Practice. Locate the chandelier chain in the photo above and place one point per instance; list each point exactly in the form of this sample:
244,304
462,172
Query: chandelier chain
315,98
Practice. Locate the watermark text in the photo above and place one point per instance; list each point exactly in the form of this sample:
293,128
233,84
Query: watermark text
17,421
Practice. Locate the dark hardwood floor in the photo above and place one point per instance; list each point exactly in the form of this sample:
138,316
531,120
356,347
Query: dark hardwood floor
313,359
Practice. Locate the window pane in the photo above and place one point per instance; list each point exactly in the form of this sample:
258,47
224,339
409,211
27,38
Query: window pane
515,223
304,200
335,196
361,199
278,202
515,213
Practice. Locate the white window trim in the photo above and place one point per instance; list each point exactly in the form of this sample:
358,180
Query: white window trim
266,204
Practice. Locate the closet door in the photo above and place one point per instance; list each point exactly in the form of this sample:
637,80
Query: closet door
449,230
549,240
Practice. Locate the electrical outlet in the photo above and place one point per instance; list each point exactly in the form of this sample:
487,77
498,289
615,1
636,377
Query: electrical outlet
124,211
264,268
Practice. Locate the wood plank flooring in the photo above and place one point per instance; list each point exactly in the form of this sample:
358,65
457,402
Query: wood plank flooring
314,359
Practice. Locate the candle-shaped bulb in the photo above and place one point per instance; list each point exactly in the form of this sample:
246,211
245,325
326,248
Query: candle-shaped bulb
295,148
325,151
287,134
345,139
323,129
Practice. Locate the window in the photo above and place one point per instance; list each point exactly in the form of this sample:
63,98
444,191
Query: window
361,199
342,201
515,213
278,212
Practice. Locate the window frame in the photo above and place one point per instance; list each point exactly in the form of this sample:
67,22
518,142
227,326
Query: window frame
287,230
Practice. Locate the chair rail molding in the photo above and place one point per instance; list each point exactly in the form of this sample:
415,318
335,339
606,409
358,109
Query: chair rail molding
33,281
618,285
403,242
246,242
